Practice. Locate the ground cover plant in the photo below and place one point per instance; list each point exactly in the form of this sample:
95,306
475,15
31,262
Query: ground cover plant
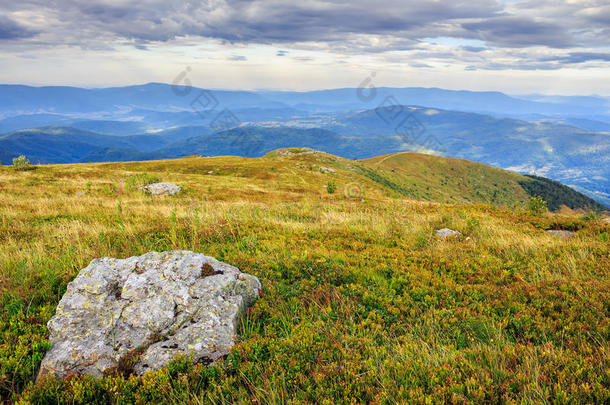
361,302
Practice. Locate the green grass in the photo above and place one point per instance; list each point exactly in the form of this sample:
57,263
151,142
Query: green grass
361,303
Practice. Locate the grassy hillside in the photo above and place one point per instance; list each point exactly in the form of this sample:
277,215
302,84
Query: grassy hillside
361,302
451,180
557,194
571,155
462,181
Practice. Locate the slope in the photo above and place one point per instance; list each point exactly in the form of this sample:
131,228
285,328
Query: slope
462,181
360,303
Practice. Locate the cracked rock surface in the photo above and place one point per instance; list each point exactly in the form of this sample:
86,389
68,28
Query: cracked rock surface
160,304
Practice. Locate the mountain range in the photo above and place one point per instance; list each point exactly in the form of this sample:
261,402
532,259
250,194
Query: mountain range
563,138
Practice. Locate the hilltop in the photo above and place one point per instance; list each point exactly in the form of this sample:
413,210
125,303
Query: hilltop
361,302
461,181
576,157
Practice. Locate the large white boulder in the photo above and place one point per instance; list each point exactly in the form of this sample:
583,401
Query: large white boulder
158,304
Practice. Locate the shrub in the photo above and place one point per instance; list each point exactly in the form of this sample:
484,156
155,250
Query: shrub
537,206
592,216
331,187
22,163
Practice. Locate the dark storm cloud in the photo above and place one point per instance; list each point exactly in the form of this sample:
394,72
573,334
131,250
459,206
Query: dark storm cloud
9,29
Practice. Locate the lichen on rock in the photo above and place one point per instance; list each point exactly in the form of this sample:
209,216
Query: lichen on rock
161,304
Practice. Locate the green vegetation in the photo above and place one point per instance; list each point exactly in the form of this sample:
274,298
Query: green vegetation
377,178
21,163
331,187
537,206
361,303
557,194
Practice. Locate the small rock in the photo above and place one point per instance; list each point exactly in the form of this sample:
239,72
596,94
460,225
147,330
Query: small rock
447,233
81,193
161,304
327,170
560,233
161,189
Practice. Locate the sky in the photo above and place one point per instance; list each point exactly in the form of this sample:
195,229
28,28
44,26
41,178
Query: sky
519,47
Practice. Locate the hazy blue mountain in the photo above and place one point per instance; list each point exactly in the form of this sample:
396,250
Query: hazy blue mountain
160,106
6,157
17,122
17,99
68,145
571,155
584,123
112,154
257,141
157,120
459,100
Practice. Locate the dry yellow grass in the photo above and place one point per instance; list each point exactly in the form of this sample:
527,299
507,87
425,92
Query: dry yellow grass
358,289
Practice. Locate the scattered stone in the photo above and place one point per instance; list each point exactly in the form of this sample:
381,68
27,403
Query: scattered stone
327,170
560,233
161,189
81,193
211,172
159,304
447,233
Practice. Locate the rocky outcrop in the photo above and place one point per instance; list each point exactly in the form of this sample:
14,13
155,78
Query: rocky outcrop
447,233
161,189
148,308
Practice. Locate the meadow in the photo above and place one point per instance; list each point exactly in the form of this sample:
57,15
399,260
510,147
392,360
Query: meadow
361,302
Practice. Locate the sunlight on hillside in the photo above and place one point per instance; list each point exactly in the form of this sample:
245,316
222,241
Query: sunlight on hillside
361,301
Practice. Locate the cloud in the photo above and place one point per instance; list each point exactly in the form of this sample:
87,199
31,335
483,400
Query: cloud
526,34
518,32
10,30
303,58
580,57
269,21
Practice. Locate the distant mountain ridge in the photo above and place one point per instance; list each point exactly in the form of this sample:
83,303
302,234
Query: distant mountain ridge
20,99
153,121
571,155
